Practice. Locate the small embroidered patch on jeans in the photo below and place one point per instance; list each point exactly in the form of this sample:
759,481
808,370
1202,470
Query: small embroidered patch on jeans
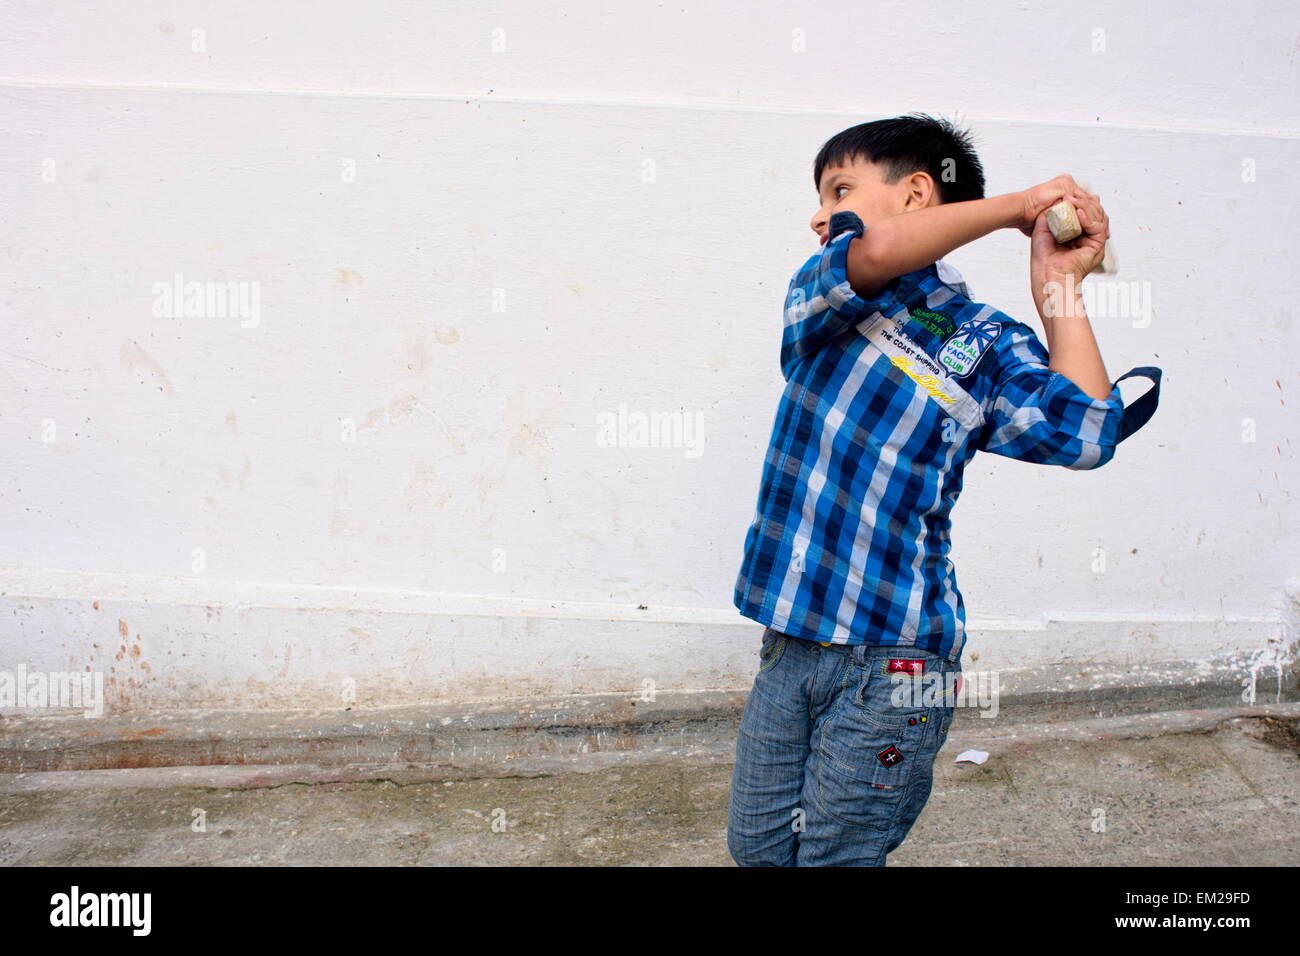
905,665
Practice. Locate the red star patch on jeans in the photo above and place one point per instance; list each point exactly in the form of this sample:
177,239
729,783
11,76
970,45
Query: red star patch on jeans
890,756
906,665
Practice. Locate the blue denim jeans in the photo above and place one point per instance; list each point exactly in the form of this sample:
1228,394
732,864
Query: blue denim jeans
835,756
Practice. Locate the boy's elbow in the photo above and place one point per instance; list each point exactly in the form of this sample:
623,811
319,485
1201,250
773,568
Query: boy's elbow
867,271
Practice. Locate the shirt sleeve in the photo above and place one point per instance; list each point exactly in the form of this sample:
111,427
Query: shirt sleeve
1038,415
820,304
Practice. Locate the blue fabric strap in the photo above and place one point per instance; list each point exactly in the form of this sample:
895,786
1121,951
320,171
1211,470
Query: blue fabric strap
1139,413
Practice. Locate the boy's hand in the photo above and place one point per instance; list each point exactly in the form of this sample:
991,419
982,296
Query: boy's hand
1035,201
1054,265
1078,257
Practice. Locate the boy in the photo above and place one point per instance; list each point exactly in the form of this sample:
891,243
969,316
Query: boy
894,379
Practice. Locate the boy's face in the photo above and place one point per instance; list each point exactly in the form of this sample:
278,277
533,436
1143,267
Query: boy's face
859,186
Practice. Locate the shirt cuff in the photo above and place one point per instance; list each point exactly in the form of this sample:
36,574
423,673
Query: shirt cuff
1093,420
843,229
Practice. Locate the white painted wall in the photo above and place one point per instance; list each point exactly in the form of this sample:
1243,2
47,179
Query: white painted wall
557,210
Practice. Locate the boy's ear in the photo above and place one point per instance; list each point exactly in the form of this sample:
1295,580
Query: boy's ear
920,190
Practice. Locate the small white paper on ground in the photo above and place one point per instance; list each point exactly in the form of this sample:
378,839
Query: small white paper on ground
974,756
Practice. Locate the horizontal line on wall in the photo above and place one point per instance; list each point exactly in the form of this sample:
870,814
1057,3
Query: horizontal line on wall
69,585
704,106
58,584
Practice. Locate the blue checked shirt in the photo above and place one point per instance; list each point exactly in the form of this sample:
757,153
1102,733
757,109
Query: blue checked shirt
886,399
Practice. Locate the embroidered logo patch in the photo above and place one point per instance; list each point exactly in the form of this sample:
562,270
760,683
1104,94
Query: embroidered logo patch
913,361
905,665
890,756
960,353
936,323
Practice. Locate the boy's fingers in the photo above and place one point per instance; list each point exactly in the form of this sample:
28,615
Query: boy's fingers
1103,222
1041,242
1092,216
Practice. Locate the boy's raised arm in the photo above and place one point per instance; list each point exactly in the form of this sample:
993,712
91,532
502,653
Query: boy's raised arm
1056,273
1057,405
904,243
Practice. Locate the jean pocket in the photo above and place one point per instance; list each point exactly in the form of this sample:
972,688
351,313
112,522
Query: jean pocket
864,773
772,649
878,744
889,702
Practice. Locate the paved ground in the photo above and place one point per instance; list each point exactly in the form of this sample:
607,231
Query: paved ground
1190,789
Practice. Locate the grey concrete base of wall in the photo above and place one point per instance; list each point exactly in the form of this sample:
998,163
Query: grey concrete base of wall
331,678
529,736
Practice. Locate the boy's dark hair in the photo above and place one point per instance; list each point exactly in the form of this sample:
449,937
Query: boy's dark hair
907,144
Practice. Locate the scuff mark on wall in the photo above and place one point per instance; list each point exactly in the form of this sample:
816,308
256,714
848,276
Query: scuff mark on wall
1272,657
423,489
136,672
409,407
134,359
